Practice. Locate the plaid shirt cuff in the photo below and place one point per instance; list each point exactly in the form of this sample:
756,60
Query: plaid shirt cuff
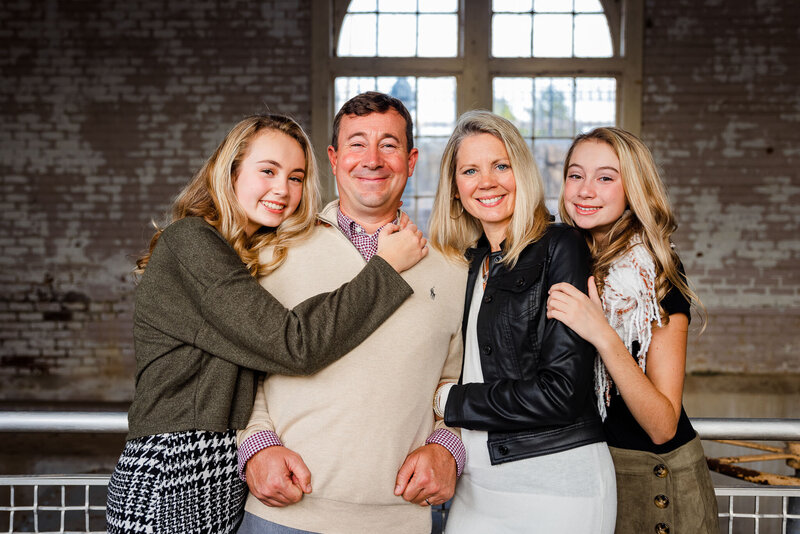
449,441
253,444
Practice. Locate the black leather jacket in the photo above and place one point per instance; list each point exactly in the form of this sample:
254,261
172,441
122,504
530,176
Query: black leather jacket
538,394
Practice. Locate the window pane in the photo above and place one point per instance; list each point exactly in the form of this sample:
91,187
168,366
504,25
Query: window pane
426,175
513,99
511,35
438,6
514,6
592,36
361,5
554,114
409,202
418,208
552,6
549,155
393,31
422,213
595,102
554,24
404,89
438,36
397,35
407,6
436,114
552,35
358,36
588,6
347,88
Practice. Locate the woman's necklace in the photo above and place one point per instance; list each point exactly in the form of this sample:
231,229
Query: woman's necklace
485,270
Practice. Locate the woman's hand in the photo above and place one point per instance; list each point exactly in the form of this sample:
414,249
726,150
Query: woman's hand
654,399
582,314
402,248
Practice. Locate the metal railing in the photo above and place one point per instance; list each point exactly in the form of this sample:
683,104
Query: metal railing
117,422
784,513
76,503
53,503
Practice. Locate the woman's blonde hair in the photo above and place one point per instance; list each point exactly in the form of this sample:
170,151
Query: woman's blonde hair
648,214
452,229
210,195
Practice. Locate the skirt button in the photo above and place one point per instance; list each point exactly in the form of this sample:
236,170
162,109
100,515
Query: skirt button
660,470
661,501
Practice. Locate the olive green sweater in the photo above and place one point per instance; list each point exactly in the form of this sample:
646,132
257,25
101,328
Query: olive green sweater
203,328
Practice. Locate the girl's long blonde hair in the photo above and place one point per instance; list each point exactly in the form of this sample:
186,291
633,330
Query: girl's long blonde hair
452,229
648,214
210,195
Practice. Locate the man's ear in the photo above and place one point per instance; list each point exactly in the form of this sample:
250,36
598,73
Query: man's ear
412,161
332,158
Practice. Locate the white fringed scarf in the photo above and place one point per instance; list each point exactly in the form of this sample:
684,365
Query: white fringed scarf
630,305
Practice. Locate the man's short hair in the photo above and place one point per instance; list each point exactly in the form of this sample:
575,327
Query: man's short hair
373,102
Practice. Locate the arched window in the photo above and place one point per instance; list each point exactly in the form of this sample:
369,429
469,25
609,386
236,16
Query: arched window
553,67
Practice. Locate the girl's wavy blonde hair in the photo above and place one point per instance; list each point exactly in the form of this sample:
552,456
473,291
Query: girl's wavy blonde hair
210,195
648,214
452,229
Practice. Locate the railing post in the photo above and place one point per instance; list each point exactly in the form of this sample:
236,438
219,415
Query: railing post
793,503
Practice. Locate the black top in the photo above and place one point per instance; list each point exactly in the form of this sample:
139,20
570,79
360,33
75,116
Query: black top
621,428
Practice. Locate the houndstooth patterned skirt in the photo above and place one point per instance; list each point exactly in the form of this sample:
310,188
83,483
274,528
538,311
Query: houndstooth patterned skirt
180,482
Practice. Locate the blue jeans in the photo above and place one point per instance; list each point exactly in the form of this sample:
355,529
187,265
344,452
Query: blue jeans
252,524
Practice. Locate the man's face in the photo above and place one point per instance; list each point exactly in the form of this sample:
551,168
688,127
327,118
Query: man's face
372,164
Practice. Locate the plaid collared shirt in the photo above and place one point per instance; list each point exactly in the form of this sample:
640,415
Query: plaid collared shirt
366,244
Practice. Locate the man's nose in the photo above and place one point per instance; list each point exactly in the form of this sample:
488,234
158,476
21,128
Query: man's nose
372,157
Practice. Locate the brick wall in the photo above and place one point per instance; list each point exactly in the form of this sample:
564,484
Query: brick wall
106,110
105,113
721,112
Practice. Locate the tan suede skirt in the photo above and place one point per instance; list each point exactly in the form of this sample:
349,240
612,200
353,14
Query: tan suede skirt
668,493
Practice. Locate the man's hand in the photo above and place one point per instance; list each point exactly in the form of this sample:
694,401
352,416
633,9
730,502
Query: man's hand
277,476
428,473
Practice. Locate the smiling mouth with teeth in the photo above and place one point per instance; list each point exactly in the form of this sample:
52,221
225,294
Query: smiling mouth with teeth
586,209
272,205
487,201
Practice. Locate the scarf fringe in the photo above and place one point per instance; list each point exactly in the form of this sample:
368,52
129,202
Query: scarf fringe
630,306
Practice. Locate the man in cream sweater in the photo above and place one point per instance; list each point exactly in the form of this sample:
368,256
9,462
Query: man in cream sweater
355,448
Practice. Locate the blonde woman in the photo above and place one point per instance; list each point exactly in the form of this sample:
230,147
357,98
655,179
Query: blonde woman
637,316
204,327
536,457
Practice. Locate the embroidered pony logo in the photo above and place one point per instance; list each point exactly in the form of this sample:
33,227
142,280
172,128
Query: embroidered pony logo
433,294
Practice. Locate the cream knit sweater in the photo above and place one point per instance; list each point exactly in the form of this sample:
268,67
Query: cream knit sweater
355,421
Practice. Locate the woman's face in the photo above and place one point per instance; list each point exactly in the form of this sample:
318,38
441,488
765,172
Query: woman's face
485,182
593,193
269,184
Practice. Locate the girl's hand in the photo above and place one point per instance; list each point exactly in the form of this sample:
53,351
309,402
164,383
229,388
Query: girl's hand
402,248
582,314
404,220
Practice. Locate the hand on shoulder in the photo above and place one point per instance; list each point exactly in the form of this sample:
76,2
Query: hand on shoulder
402,248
